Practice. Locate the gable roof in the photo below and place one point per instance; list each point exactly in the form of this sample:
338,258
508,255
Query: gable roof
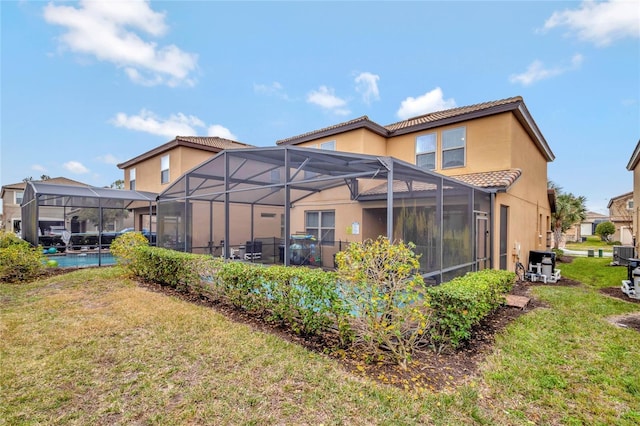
59,180
635,158
213,144
619,197
436,119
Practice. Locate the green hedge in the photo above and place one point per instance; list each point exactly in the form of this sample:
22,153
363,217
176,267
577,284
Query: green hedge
463,302
18,260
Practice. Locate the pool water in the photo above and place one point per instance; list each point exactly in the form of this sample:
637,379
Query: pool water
83,260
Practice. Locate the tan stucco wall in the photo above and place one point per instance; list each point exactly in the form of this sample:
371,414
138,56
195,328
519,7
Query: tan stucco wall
360,141
636,206
622,218
181,159
10,210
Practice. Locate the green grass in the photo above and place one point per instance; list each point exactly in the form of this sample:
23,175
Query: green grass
92,347
594,272
592,243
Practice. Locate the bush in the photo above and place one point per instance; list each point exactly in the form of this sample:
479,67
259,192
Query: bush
182,271
463,302
390,315
124,249
18,260
605,229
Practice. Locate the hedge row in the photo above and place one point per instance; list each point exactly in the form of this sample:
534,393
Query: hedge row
463,302
18,260
309,301
306,300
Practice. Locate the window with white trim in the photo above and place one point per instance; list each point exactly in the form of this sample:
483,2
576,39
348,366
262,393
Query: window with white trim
329,146
426,151
132,179
18,195
164,169
453,147
322,225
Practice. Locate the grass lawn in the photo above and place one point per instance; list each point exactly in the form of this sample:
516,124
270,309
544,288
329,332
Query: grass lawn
592,243
92,347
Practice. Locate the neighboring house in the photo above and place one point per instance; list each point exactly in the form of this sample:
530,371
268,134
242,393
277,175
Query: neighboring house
493,145
157,169
634,166
12,198
621,214
586,228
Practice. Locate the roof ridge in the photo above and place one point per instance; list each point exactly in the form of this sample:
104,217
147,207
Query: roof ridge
324,129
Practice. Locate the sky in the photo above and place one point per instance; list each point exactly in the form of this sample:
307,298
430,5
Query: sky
90,84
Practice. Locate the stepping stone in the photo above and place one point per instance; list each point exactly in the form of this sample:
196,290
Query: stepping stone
517,301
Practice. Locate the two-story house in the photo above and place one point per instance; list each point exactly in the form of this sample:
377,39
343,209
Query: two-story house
157,169
493,145
12,198
634,166
621,215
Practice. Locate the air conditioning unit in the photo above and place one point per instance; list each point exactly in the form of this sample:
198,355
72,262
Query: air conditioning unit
622,254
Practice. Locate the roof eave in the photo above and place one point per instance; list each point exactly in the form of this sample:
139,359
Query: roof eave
635,158
164,148
525,118
367,124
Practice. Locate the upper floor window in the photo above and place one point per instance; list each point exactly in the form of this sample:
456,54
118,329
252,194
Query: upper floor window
322,225
329,146
164,169
629,204
426,151
132,179
453,147
18,196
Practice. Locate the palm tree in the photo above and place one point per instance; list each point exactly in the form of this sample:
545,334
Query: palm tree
570,210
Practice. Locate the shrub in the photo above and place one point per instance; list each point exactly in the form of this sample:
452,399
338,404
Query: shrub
124,248
463,302
390,315
182,271
605,229
18,260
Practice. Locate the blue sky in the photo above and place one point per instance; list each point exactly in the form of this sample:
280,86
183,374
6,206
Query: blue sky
86,85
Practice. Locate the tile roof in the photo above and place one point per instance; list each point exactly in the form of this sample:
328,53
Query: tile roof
451,113
499,179
356,123
213,144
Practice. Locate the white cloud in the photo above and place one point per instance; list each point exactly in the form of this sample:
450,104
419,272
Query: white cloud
38,168
75,167
221,131
108,159
429,102
110,31
176,125
325,98
367,85
536,71
600,22
273,89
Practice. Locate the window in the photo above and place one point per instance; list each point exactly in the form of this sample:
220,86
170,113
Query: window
132,179
426,151
164,169
18,196
629,204
329,146
322,225
453,146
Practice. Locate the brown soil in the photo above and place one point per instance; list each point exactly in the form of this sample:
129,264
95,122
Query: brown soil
427,371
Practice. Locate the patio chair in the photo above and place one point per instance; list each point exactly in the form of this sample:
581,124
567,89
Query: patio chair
253,250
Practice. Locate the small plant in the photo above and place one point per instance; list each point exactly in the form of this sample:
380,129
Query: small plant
18,260
605,230
390,314
124,247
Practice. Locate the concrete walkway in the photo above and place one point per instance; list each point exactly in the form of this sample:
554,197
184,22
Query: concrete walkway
585,253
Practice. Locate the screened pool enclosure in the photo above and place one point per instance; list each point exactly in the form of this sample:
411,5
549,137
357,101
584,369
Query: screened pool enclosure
296,205
73,218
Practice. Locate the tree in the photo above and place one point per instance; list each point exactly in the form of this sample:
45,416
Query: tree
570,210
45,177
605,229
118,184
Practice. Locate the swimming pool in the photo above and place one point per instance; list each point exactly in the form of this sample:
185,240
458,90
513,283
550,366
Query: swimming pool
83,260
